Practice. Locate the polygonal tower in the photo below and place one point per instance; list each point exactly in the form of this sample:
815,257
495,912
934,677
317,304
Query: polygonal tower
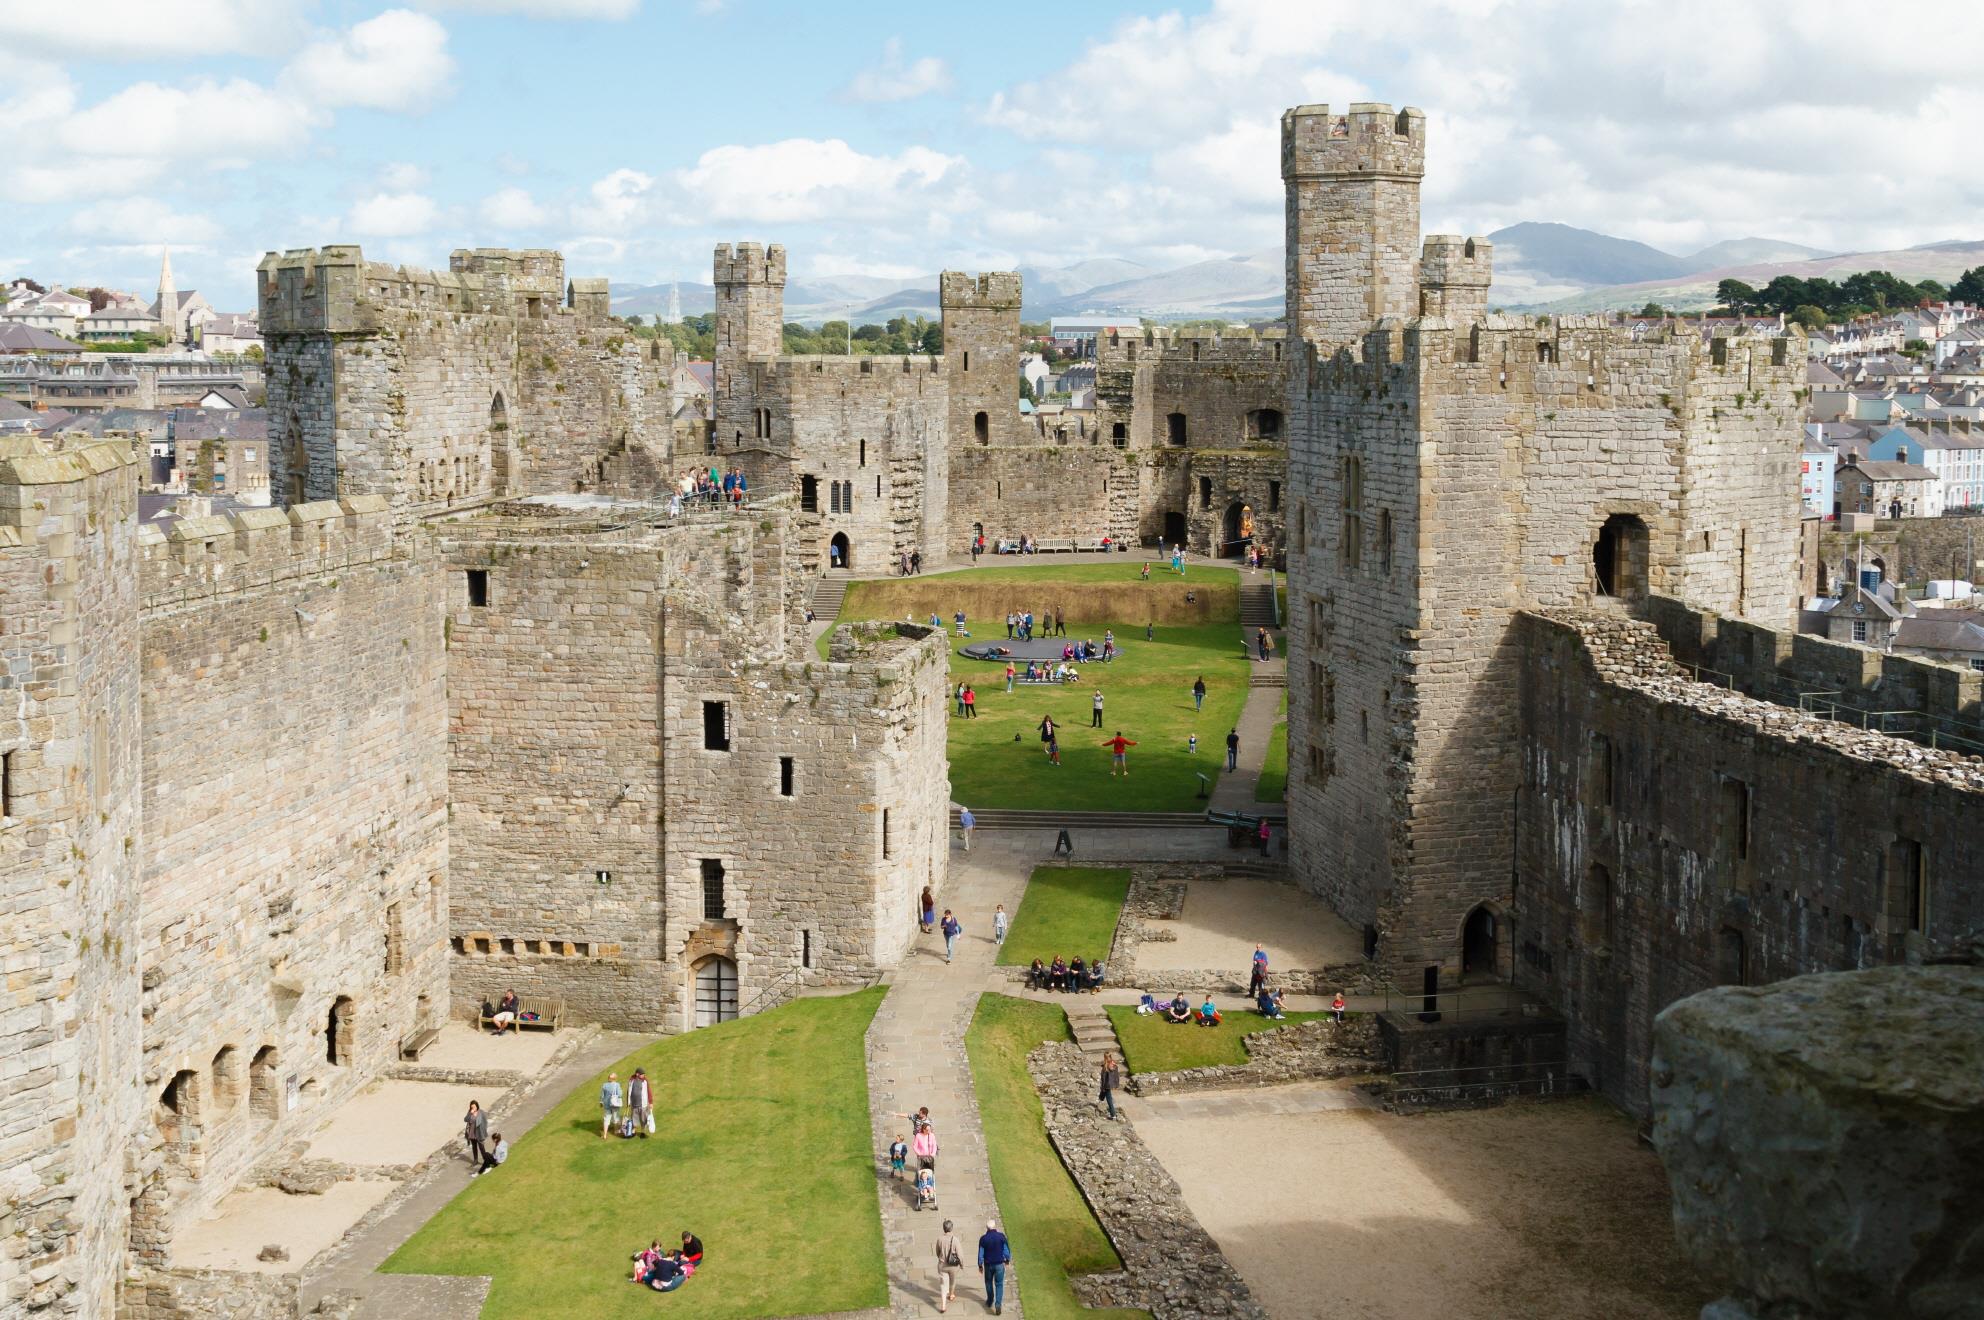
1352,184
750,316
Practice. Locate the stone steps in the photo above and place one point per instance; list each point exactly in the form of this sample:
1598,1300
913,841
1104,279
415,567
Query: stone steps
828,593
1094,1035
1266,677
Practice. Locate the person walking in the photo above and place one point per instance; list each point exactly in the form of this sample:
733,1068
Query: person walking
950,1259
475,1131
1095,710
965,822
1267,646
1112,1078
1060,622
958,696
1258,976
924,1143
952,928
1119,759
999,924
609,1105
1265,834
1261,641
994,1254
926,910
1047,729
1199,693
916,561
1011,674
640,1102
1232,750
970,703
1009,625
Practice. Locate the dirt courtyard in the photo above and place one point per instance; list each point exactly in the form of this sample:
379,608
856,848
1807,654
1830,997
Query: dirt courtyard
1222,920
1543,1209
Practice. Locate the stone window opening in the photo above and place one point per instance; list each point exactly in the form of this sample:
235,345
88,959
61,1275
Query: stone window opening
1619,558
264,1099
809,494
806,948
6,785
1906,891
1301,528
478,587
862,458
1364,727
1385,541
1480,946
1600,785
761,419
1595,909
981,428
226,1072
1353,511
967,359
1119,435
395,940
1174,428
1274,497
888,843
878,487
1205,492
338,1033
716,726
1264,424
713,908
786,777
601,877
1402,126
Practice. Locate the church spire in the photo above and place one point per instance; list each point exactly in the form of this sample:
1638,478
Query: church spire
165,284
168,299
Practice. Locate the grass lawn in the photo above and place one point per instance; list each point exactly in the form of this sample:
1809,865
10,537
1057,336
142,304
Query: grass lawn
1042,1211
1273,783
1095,568
1156,1044
1067,910
761,1149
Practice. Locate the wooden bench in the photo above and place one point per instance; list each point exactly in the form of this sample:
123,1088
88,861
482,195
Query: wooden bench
550,1013
416,1044
1063,547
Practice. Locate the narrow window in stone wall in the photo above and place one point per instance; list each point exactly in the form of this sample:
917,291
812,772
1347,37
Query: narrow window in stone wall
1119,435
1174,428
785,777
712,889
809,494
1301,528
967,359
1907,890
1274,497
395,939
264,1099
6,784
863,462
1205,492
1734,822
716,726
478,587
1353,511
100,760
888,845
805,948
878,488
1601,788
981,427
1385,541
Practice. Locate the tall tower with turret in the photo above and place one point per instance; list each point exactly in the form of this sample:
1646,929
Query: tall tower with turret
750,323
1352,184
168,297
982,356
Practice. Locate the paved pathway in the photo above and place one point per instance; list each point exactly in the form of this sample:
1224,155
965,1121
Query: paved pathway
916,1057
1235,791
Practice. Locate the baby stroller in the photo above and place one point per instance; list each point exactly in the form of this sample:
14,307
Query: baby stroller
926,1189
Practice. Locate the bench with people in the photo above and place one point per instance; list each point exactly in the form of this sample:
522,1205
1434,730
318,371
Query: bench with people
665,1271
1075,977
512,1013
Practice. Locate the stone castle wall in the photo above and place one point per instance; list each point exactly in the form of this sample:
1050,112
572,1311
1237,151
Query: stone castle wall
1675,836
295,845
70,836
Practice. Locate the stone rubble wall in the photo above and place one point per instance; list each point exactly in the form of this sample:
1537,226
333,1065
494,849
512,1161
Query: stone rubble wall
1157,897
210,1295
1172,1267
1307,1051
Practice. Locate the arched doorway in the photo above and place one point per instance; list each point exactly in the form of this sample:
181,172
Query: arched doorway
716,991
1174,528
1480,946
1237,530
1619,558
840,554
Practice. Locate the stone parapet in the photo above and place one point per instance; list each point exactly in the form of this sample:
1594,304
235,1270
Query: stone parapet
198,558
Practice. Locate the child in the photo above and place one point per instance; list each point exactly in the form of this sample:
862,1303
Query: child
926,1189
999,924
1336,1008
1192,745
898,1156
645,1261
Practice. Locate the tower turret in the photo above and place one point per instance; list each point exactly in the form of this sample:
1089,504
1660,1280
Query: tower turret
982,351
1454,274
750,308
1352,185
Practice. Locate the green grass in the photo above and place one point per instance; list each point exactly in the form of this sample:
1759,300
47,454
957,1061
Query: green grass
762,1150
1156,1044
1115,568
1273,783
1042,1211
1068,910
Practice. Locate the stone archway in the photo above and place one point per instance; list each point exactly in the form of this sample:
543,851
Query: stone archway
840,551
1481,946
1236,530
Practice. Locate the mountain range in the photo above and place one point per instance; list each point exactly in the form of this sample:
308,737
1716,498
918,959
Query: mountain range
1538,267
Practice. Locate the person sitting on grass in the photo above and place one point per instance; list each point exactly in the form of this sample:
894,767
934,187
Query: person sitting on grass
1036,975
1208,1013
497,1151
1269,1002
645,1261
1180,1011
1057,975
1094,982
1077,975
669,1273
692,1249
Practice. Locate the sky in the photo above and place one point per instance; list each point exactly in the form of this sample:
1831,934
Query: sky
894,139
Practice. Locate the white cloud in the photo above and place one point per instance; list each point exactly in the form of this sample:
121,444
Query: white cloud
619,202
397,61
393,215
170,123
893,80
402,176
143,220
607,9
801,179
148,30
512,210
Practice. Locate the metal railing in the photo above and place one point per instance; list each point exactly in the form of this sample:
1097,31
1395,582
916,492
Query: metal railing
1274,598
1457,1086
774,992
1498,999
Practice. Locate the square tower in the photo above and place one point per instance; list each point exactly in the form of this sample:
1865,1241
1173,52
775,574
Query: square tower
982,349
1352,185
750,311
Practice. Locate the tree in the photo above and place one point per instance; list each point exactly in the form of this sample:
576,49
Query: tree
1969,287
1737,296
1812,318
1653,309
1026,389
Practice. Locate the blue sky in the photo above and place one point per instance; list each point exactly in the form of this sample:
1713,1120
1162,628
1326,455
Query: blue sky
896,139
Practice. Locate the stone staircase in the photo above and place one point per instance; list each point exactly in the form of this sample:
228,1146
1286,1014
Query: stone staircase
1256,607
1091,1028
1268,676
828,593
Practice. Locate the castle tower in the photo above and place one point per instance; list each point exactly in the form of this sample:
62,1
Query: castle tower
168,296
1352,185
70,845
982,356
750,312
1454,274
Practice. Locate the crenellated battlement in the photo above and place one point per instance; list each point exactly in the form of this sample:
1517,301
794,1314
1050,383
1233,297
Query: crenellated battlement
336,290
994,290
748,263
799,368
519,270
1368,139
197,558
1157,344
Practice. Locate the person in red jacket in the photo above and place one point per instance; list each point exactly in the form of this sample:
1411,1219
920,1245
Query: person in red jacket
1119,749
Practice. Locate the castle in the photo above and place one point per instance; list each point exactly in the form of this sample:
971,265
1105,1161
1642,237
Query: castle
278,790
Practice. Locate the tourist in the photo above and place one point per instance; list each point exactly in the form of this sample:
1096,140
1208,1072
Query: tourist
936,623
475,1131
692,1249
1063,842
1119,753
898,1157
1012,672
1179,1011
1108,645
1261,641
609,1104
666,1274
1269,1003
965,822
1111,1079
1094,982
499,1150
1264,835
924,1143
1199,693
1077,976
950,1258
1258,977
994,1253
1095,710
1191,744
999,924
916,561
1054,758
505,1016
1009,624
1060,623
833,554
959,694
1208,1013
1336,1008
952,928
926,910
640,1100
970,702
1145,575
1267,646
977,548
1232,750
645,1261
1036,975
1057,974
